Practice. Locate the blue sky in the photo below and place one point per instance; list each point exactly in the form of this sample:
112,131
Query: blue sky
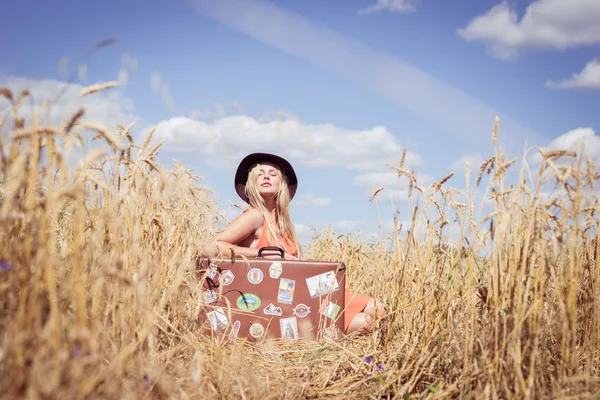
339,87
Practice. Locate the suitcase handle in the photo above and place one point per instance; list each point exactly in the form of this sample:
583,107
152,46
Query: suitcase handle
274,248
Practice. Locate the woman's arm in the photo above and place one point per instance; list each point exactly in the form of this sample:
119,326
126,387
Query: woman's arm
239,229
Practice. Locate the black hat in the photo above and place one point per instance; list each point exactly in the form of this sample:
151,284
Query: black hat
241,175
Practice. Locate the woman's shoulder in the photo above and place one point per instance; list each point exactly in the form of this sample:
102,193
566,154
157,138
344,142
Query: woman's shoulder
253,215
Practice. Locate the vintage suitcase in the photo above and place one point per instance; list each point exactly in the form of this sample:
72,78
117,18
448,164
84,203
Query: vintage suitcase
262,299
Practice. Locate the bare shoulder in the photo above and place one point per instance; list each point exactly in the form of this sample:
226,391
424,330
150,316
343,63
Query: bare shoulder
242,226
253,215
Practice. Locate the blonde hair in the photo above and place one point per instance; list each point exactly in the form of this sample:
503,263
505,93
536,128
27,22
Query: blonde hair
282,221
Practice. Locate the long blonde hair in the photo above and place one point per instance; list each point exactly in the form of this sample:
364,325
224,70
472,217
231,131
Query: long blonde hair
282,221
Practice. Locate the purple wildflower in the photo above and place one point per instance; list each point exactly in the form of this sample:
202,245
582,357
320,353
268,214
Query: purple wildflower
368,359
380,368
77,351
4,266
149,381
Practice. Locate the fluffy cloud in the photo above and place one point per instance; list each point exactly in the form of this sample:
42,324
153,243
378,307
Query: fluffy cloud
109,108
581,141
395,188
223,142
546,24
398,6
310,200
302,229
588,78
370,230
389,179
304,232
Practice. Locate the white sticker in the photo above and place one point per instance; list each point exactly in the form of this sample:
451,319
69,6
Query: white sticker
275,270
289,328
227,277
271,309
209,296
218,319
255,276
257,330
322,284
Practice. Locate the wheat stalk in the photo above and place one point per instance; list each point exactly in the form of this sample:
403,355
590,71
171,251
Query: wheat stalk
98,87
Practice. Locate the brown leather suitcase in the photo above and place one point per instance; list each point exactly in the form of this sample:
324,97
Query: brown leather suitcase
262,299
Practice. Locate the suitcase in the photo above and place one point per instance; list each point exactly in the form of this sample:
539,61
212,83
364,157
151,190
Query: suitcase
260,299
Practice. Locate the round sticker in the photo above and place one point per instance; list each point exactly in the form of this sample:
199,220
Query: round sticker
301,310
248,302
257,330
255,276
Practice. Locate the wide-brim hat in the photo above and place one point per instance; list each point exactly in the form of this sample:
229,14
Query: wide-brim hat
241,175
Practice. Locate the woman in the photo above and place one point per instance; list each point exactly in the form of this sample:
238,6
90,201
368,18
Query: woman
268,183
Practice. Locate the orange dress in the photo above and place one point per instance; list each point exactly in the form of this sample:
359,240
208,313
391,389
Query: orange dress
288,244
355,302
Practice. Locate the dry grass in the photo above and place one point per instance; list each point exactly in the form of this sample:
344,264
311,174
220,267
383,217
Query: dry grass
100,299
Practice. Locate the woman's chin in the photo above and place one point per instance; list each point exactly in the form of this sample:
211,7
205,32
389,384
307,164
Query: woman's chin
267,194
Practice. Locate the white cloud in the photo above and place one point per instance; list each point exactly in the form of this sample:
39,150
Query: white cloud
389,179
109,108
310,200
588,78
581,141
225,141
302,229
395,189
546,24
349,226
369,230
398,6
394,196
400,83
304,232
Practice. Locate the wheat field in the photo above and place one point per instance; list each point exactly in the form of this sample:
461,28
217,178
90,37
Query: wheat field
99,296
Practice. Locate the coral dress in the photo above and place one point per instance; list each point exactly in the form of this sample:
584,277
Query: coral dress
355,302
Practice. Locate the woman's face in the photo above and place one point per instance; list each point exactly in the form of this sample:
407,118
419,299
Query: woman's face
268,179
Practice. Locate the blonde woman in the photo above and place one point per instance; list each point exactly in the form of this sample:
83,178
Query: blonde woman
268,183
